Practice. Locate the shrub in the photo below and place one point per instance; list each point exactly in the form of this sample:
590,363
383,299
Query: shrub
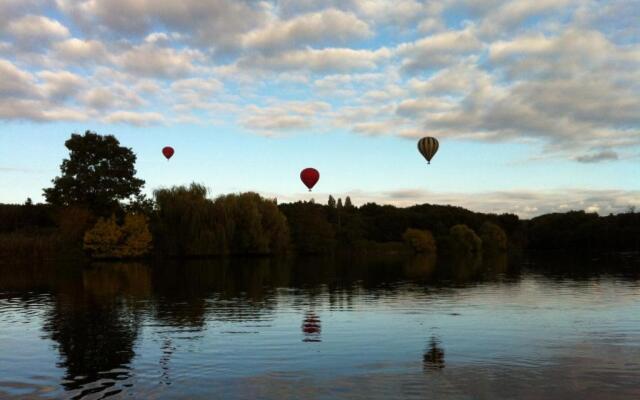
107,239
137,237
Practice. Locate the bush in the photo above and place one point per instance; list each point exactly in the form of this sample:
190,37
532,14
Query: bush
109,240
463,239
421,241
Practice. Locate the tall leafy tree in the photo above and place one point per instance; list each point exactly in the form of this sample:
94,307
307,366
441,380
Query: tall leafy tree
347,203
99,173
332,202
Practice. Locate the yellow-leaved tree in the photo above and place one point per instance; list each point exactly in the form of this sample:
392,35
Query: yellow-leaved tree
107,239
137,238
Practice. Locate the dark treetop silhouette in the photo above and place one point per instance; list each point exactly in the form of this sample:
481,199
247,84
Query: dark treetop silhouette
98,174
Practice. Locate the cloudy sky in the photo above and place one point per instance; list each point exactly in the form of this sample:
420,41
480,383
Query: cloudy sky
536,103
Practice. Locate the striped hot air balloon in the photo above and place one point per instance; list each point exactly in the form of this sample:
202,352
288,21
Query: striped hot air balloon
428,146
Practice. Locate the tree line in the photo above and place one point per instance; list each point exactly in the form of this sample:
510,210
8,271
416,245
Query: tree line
96,207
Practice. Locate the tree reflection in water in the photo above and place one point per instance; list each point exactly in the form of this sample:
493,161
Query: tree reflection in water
433,358
95,325
98,311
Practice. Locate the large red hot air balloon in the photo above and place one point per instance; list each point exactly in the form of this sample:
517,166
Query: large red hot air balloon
168,152
310,177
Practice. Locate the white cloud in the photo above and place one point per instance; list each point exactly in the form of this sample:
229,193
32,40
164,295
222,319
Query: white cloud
15,82
606,155
325,27
37,111
561,74
455,80
214,24
160,62
60,85
510,14
328,60
195,93
74,50
134,118
438,50
117,96
379,12
36,29
283,117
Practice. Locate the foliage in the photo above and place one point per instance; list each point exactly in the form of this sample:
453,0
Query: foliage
421,241
73,222
331,202
311,231
189,224
107,239
137,237
494,239
577,230
98,174
140,204
16,217
104,238
464,240
347,203
258,225
31,247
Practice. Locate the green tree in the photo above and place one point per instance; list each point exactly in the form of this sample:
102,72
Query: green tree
347,203
494,239
258,225
332,202
99,173
421,241
464,240
311,232
188,223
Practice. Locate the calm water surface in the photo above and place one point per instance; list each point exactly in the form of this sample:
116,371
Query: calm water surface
320,329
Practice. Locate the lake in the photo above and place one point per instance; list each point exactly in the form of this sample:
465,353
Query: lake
553,327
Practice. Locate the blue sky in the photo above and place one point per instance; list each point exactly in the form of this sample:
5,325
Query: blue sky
536,104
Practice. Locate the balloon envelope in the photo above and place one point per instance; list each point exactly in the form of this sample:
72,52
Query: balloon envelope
428,146
168,152
309,177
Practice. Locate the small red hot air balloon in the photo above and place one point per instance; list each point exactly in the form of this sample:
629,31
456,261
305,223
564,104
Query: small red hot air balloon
168,152
309,177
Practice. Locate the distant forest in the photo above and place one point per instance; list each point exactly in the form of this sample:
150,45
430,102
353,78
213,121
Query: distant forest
183,222
95,208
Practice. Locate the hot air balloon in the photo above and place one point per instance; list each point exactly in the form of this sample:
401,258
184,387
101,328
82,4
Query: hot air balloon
168,152
428,146
309,177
